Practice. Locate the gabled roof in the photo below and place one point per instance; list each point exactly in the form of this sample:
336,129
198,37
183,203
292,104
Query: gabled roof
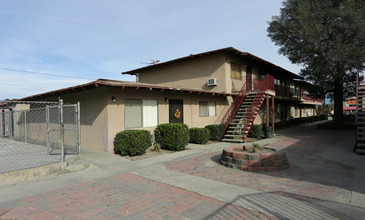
122,85
228,50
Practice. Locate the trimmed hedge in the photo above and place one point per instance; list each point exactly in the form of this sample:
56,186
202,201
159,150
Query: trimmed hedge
216,132
199,135
173,136
256,131
323,117
132,142
296,121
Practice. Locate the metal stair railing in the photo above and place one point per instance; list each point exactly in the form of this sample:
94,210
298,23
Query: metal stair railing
231,112
256,104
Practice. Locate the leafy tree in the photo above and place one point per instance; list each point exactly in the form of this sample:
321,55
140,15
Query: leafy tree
327,38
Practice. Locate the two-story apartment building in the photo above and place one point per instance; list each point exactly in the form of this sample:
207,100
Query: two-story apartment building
208,88
230,69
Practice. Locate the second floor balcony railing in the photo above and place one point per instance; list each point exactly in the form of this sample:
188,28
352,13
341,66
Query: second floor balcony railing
309,98
286,92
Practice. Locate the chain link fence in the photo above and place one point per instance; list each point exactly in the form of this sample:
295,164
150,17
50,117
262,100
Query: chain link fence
37,133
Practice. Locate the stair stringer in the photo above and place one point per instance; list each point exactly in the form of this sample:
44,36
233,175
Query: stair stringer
248,126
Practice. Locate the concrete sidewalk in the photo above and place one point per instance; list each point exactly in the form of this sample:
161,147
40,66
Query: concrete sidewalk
325,181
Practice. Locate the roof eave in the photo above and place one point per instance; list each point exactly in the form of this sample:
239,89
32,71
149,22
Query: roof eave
102,83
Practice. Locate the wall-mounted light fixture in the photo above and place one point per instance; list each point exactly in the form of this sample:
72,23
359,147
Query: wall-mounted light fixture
113,99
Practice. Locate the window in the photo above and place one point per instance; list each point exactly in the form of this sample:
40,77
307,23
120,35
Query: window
206,109
140,113
296,112
236,71
277,82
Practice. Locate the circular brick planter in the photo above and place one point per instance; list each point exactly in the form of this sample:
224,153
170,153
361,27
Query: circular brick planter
254,162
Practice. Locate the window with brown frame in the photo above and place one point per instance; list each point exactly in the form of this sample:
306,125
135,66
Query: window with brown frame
236,71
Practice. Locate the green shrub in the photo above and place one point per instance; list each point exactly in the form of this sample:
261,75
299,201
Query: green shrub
282,124
173,136
256,131
323,117
199,135
132,142
216,132
349,118
295,121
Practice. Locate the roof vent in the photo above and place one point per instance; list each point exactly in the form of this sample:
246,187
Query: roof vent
212,82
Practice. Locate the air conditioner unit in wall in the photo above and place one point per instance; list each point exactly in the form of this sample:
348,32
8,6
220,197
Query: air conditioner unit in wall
212,82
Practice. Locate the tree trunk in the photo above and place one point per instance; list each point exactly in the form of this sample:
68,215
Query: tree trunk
338,98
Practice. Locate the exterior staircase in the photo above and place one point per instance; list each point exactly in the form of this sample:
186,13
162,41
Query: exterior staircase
360,115
243,120
241,115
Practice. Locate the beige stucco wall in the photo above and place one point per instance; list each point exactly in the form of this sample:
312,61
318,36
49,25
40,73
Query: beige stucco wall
191,74
190,109
102,119
93,116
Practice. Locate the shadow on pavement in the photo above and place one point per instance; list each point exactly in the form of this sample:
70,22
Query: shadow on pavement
291,206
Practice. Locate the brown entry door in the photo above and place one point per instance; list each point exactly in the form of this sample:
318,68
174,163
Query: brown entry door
176,111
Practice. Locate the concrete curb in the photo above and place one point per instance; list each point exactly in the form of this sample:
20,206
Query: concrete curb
73,165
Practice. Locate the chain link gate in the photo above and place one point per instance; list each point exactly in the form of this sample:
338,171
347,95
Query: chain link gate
37,133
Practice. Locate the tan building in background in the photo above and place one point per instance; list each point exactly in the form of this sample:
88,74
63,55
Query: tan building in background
196,90
230,69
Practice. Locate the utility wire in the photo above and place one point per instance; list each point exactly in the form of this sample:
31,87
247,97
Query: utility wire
46,74
23,86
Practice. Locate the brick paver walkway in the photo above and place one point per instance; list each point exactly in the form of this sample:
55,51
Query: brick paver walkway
308,177
124,196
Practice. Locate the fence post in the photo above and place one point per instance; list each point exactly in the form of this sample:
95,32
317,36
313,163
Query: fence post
10,124
78,127
62,130
47,130
25,126
1,123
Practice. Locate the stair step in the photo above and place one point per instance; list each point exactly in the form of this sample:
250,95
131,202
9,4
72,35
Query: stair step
237,127
360,145
232,140
233,126
238,123
247,111
360,139
233,135
360,151
237,119
236,132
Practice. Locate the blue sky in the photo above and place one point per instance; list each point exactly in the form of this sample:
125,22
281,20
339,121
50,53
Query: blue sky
94,39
